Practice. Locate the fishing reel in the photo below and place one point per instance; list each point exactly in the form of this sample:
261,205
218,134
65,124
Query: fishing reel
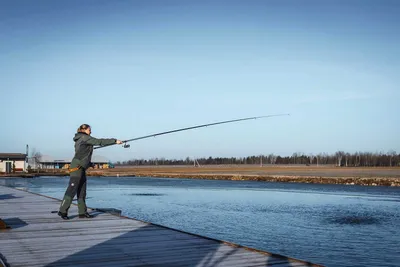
126,146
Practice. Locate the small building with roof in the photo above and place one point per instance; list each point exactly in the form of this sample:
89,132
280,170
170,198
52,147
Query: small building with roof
12,162
49,162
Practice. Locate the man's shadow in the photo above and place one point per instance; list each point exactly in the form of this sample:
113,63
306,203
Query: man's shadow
8,196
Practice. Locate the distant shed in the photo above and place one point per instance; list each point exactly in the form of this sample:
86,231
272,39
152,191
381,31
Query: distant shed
48,162
12,162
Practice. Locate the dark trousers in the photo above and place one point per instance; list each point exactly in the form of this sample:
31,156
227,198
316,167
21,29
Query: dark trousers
76,186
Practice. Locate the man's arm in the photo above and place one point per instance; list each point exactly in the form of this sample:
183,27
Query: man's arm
101,141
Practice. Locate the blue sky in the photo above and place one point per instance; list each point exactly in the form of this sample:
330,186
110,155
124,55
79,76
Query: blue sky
132,68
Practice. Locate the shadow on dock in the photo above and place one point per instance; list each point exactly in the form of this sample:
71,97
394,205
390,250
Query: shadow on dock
154,246
14,223
7,196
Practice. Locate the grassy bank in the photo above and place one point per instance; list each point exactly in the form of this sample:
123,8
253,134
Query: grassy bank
371,176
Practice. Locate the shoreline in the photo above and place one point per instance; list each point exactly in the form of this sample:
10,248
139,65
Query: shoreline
306,178
366,181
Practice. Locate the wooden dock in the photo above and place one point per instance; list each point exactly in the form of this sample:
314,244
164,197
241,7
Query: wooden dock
38,237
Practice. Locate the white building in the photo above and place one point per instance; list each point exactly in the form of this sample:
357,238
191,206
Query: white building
48,162
9,161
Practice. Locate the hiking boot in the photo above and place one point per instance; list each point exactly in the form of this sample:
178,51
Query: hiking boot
63,215
85,215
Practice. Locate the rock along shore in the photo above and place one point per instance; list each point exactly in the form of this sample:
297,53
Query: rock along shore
366,181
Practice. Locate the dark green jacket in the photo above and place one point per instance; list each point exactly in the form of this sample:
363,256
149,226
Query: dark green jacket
84,148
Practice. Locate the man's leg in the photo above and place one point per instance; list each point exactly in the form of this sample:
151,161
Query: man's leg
71,191
82,195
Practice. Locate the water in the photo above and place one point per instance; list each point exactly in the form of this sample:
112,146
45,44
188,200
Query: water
334,225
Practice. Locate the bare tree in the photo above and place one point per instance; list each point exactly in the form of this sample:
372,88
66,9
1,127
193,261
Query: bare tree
375,158
36,157
272,158
392,154
319,158
357,162
325,158
311,158
294,156
301,157
339,156
367,157
346,157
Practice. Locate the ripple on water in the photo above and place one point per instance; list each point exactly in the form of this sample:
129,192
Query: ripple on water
145,194
363,217
355,220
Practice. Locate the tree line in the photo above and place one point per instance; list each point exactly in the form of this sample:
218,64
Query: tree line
339,158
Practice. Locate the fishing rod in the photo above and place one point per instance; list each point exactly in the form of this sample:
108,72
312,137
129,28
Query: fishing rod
189,128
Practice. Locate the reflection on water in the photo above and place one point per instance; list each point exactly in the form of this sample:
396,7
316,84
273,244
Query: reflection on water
334,225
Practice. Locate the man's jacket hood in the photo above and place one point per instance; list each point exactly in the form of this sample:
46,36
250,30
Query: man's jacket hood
79,135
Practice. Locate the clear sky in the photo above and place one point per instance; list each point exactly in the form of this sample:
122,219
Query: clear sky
132,68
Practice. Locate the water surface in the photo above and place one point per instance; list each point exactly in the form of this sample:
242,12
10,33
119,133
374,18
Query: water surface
334,225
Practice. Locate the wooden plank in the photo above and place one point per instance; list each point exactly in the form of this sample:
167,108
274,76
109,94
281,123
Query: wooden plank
64,234
130,244
116,239
153,258
102,249
73,220
77,224
36,212
116,253
29,220
93,233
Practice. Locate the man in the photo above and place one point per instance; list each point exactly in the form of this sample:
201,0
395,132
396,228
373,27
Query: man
80,163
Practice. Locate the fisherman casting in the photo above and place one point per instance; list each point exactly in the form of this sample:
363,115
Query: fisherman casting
80,163
84,146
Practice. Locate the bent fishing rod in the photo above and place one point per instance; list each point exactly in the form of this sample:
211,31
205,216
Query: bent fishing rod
189,128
